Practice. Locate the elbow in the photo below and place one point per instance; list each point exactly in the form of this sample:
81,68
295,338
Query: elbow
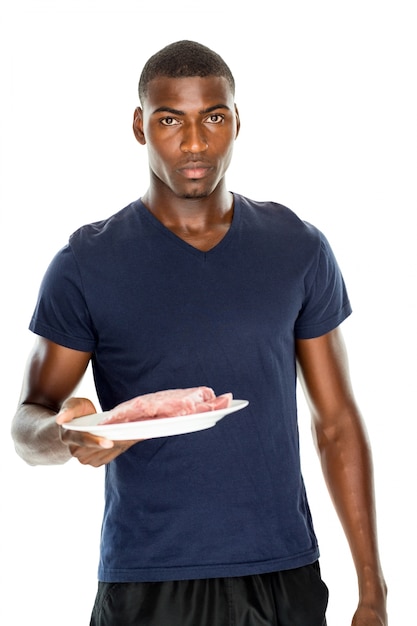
343,429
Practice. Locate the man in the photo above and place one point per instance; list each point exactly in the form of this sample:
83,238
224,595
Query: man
193,285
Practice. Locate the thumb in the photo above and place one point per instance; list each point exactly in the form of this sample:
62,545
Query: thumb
74,407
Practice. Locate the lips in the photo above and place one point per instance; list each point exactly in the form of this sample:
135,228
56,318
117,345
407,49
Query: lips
195,170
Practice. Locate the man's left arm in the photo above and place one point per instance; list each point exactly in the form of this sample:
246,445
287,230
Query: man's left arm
345,454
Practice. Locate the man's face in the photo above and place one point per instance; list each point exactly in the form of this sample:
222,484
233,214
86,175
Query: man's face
189,126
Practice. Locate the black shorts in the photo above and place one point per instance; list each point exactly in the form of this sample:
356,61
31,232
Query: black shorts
296,597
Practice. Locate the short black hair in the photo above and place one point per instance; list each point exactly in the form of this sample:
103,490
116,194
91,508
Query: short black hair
183,59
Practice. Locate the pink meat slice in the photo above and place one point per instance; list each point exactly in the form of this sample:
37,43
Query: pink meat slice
219,402
168,403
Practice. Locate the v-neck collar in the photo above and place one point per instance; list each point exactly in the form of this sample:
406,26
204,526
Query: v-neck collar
184,244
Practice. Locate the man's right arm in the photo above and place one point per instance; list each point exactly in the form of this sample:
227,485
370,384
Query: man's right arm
52,374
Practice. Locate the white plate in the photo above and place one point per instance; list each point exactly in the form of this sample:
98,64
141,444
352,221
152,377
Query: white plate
149,429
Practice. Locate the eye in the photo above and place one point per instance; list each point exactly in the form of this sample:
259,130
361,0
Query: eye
169,121
216,118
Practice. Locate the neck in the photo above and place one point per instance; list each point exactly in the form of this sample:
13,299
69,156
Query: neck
201,222
190,212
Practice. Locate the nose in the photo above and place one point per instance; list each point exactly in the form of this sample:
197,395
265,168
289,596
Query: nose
193,139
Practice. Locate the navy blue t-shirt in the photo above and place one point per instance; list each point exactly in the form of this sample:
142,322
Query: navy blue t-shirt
157,314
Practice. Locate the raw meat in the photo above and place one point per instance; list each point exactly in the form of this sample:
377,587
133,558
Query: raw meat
168,403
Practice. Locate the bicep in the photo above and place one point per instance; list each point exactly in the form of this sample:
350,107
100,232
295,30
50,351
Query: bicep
324,374
52,373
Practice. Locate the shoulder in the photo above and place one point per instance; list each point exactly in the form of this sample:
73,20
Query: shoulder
278,221
102,233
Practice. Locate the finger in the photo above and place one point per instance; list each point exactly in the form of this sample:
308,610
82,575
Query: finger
90,456
105,443
96,457
85,440
65,415
74,407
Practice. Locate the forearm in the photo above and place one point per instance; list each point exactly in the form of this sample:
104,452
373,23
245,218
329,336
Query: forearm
348,469
36,436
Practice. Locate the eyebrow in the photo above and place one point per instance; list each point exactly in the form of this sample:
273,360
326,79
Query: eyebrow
215,107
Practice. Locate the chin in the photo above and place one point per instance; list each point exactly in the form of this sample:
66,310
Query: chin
196,194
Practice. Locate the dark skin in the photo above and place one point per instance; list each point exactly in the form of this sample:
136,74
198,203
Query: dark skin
189,126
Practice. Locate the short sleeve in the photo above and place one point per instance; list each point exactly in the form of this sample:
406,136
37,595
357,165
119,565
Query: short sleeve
61,313
326,304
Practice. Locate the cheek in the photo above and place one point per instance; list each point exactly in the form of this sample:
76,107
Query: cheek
228,147
158,151
161,144
224,142
156,161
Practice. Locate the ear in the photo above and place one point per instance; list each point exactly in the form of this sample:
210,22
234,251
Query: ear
138,126
237,121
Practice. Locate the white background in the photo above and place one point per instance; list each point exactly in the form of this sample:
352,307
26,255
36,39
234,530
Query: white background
326,92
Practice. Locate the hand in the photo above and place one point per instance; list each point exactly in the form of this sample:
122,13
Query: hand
86,448
367,615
